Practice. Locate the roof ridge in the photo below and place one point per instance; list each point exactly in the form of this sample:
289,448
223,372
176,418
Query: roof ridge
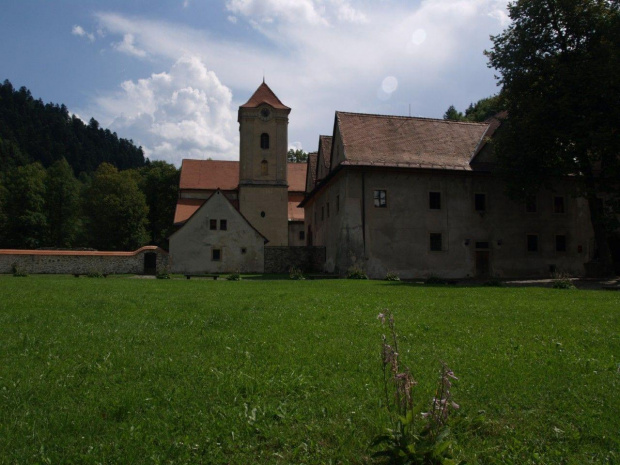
423,118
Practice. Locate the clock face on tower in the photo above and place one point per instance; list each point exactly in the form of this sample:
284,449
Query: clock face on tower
264,114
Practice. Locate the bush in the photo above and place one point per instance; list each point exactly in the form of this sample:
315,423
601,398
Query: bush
356,272
18,272
391,277
95,274
234,276
163,275
562,280
296,274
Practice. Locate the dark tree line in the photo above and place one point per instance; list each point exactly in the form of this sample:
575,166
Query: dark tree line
31,131
117,201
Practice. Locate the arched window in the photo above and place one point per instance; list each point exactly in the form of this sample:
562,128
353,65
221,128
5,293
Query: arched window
264,140
264,168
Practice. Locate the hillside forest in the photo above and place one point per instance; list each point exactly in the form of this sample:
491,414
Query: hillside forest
68,184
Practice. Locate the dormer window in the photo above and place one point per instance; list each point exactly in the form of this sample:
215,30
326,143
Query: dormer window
264,140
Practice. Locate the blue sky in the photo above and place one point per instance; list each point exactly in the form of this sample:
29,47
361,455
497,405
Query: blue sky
171,74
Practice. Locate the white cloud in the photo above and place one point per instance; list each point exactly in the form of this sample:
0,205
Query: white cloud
325,55
183,113
79,31
127,46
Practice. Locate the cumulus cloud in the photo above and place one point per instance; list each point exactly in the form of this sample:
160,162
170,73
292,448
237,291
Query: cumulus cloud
79,31
183,113
325,55
127,46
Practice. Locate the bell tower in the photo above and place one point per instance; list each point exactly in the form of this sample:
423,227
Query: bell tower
263,184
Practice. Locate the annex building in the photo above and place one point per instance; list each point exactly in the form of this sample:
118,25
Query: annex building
412,196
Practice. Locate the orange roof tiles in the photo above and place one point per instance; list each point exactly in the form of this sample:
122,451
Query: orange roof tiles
209,174
186,208
294,212
296,174
264,95
378,140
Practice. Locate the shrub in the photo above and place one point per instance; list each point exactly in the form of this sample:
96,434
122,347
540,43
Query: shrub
296,274
18,272
415,437
391,277
95,274
355,272
163,275
234,276
562,280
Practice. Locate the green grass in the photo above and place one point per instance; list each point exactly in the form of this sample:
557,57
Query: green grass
201,371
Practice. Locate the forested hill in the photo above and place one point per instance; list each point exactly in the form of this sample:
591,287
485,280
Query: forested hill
32,131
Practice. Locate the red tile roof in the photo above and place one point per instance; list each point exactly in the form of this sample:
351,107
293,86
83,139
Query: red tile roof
296,174
264,95
325,148
90,253
311,172
294,212
209,174
186,208
378,140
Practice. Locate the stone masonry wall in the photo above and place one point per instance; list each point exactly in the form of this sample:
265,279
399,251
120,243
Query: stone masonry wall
281,259
66,262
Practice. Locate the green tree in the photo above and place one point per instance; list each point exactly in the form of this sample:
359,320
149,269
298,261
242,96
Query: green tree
26,225
115,210
297,156
3,217
62,204
453,114
160,184
559,65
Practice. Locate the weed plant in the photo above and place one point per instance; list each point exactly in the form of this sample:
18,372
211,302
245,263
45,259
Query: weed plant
356,272
391,277
296,274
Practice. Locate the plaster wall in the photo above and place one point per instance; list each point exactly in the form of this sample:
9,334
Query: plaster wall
273,201
294,228
397,238
241,246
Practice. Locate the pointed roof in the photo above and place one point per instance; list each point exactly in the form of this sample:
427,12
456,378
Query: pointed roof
264,95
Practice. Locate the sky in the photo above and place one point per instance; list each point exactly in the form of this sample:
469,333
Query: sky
171,74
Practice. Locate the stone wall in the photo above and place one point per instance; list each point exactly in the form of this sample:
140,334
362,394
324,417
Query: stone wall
82,262
281,259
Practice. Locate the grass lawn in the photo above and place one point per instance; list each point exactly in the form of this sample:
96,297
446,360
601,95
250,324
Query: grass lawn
196,371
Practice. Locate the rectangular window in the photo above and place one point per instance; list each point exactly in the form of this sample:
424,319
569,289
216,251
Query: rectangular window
302,235
560,243
212,225
380,199
480,202
216,255
436,242
328,209
337,203
223,225
532,242
558,204
531,206
434,200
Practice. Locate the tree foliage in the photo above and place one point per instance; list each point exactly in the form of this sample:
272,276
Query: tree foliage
559,66
116,210
297,156
32,131
480,111
62,205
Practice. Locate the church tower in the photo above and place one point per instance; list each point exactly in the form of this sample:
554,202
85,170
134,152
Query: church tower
263,184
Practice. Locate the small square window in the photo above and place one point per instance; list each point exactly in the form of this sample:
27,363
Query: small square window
436,242
480,202
216,255
212,225
302,235
243,250
532,242
434,200
223,225
558,204
560,243
380,199
531,206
